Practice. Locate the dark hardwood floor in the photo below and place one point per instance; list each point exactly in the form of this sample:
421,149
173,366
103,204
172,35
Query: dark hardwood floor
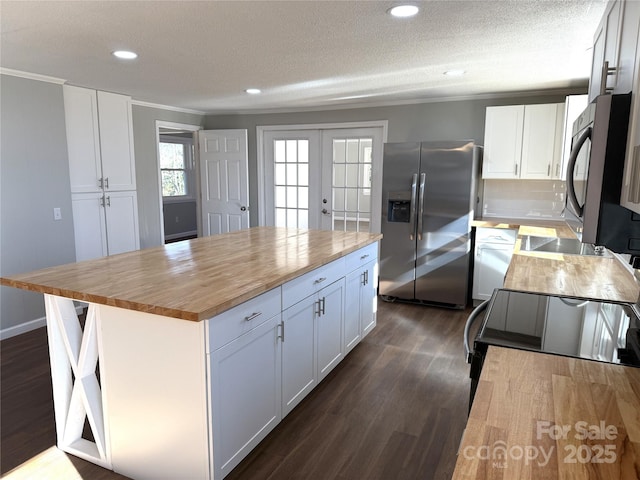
394,408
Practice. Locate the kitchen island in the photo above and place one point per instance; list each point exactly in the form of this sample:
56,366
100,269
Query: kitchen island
192,352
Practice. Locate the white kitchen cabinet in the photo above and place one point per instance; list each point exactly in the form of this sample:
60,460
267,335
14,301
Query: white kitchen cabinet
541,140
102,167
502,141
606,46
563,337
329,328
523,141
493,252
298,352
630,194
361,295
105,224
246,393
313,342
99,140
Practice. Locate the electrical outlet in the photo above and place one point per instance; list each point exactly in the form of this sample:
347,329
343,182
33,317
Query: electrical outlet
57,213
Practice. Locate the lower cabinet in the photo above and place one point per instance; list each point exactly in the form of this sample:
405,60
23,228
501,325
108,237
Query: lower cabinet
268,353
360,311
494,248
105,224
246,405
312,343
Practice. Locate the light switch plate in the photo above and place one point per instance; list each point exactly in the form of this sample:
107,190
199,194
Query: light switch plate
57,213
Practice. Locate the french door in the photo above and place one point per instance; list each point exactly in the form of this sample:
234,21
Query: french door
328,179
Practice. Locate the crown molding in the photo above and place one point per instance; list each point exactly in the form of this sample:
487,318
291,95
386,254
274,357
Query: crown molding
32,76
167,107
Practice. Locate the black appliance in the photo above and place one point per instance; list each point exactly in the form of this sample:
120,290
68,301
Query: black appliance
594,176
575,327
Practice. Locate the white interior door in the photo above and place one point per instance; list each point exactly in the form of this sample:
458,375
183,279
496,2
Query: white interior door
292,178
224,181
351,179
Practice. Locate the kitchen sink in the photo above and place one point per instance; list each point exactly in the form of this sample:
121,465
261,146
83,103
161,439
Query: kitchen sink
566,246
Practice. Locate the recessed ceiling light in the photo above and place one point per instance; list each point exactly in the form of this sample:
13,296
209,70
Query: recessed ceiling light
125,54
404,10
253,91
455,73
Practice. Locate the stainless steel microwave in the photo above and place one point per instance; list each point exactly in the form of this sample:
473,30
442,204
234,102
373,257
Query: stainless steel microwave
594,176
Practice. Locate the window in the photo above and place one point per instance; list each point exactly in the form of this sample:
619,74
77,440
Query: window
291,163
176,166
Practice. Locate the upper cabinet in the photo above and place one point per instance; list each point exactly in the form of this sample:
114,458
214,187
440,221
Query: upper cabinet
100,140
606,46
614,50
523,141
630,196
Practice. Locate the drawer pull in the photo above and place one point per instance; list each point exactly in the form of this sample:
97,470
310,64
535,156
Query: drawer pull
320,280
364,256
252,316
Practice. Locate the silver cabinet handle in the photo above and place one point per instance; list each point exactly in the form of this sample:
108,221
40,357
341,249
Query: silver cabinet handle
106,182
323,305
423,177
318,311
604,75
252,316
281,336
108,201
364,256
320,280
548,170
516,165
101,182
102,201
412,213
364,277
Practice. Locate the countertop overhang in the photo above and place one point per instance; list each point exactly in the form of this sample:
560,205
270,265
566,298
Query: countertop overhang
195,279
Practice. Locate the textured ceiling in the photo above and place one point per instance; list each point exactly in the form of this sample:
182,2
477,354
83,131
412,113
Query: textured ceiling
303,54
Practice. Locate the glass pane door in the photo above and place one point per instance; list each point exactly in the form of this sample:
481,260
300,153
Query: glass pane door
351,201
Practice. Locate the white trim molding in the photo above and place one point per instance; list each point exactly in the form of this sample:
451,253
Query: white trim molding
167,107
32,76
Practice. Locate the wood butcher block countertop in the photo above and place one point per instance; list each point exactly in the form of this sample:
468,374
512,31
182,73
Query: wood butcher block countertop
539,416
196,279
602,278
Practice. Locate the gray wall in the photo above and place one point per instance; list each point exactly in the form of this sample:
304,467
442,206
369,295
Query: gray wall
147,170
451,120
180,218
34,178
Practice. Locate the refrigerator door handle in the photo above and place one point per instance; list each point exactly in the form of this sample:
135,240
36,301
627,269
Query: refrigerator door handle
412,215
423,177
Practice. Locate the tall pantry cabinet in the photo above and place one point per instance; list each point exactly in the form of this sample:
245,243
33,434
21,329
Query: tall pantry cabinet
102,172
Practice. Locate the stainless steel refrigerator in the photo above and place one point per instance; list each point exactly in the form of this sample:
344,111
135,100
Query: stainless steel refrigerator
429,195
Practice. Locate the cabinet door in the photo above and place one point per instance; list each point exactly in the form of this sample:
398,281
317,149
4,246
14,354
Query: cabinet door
329,328
116,141
630,27
540,142
245,393
83,144
368,299
606,49
630,195
89,225
352,315
491,263
122,222
298,352
503,141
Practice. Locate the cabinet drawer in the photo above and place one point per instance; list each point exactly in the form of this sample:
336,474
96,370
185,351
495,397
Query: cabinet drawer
361,257
231,324
496,235
309,283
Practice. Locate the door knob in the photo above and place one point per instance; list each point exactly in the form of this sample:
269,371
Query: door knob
243,208
325,211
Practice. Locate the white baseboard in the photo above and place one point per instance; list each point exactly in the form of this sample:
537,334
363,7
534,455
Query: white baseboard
28,326
22,328
173,236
